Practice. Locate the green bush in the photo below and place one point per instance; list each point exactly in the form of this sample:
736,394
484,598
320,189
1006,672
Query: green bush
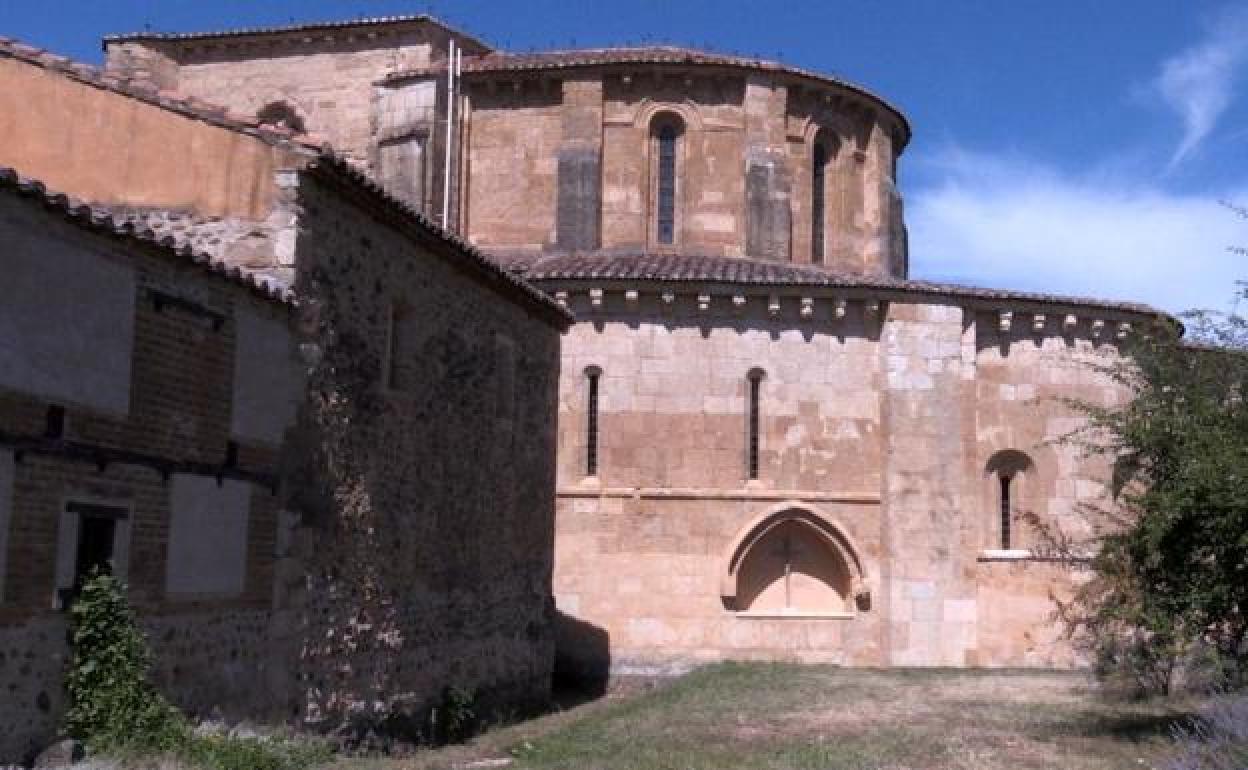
114,709
112,705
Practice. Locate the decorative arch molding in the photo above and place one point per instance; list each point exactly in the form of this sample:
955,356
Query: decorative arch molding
648,109
837,127
282,113
824,527
1009,461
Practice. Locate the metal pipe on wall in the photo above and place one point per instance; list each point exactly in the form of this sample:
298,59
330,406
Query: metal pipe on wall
451,73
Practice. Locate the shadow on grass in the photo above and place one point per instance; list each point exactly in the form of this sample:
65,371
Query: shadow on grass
1135,728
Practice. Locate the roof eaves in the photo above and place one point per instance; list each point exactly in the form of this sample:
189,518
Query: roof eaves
598,57
102,220
747,272
322,26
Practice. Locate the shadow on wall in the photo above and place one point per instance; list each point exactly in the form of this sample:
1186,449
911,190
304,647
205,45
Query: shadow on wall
582,657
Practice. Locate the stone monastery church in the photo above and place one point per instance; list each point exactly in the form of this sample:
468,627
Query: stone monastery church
377,360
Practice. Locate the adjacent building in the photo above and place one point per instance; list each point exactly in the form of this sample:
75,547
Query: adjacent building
242,376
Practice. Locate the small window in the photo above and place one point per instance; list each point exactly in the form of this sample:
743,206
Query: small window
397,373
1007,511
92,538
1009,472
592,377
818,181
752,418
54,422
282,115
666,132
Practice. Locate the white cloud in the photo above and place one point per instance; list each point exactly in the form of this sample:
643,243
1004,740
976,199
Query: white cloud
1198,83
1011,223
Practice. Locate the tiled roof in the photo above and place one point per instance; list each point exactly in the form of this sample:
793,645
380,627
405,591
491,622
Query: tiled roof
317,26
143,91
102,220
592,57
689,268
483,266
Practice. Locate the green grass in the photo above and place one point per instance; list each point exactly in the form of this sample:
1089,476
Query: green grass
787,717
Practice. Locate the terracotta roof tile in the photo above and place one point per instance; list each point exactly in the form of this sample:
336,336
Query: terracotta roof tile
317,26
592,57
103,220
693,268
146,92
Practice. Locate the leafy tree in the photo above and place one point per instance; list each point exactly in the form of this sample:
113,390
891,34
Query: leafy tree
1170,564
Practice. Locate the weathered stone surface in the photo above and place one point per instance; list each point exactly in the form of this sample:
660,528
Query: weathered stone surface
880,426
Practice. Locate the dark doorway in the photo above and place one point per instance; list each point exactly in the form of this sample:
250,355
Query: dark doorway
97,535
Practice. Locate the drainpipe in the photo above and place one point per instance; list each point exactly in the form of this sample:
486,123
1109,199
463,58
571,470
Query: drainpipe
451,67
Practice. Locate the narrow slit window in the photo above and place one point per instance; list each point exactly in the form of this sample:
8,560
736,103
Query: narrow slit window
665,213
818,180
592,375
393,365
756,380
1005,511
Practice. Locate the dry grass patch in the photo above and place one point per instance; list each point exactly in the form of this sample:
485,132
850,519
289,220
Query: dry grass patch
785,717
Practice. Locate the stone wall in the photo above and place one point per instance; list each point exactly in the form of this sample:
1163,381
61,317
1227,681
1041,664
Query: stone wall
642,546
425,481
565,160
325,77
538,150
878,427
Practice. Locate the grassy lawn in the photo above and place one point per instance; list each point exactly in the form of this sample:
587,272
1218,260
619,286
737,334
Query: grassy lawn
777,717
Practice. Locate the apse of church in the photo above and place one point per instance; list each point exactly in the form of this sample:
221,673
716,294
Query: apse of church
772,442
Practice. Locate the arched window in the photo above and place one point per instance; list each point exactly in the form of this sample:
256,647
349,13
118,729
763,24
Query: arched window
592,377
755,378
818,201
282,115
665,131
1009,471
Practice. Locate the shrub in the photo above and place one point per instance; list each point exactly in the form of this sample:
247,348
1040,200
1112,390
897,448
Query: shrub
115,709
1217,739
111,703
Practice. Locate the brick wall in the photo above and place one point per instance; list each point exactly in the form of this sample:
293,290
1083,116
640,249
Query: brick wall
208,652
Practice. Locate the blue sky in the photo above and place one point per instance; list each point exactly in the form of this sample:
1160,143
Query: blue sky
1064,145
